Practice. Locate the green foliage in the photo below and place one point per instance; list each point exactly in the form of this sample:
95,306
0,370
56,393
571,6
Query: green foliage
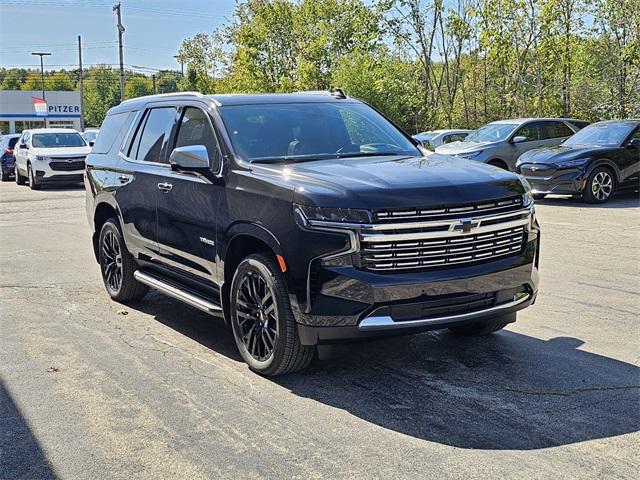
59,81
101,92
137,87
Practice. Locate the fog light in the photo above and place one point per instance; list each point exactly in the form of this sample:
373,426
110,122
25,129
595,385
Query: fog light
520,295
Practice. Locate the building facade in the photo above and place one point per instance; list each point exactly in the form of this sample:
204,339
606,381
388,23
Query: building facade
18,111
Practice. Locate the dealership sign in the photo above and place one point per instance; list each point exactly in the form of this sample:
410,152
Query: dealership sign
40,105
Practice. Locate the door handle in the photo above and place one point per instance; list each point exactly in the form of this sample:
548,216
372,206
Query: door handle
165,187
123,178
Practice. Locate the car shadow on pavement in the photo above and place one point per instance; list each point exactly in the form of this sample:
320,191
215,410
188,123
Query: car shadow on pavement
505,391
20,454
627,199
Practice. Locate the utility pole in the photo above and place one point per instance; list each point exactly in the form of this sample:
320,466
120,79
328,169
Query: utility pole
153,78
118,9
81,75
42,55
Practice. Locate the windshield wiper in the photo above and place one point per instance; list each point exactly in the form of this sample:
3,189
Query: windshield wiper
369,154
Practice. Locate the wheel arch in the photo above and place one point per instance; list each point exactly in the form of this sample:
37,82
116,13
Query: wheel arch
102,212
604,162
498,162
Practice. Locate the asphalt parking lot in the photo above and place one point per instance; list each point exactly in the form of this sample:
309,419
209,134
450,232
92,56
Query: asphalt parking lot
87,391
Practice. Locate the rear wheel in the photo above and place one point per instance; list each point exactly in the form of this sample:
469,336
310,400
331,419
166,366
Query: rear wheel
4,176
20,180
117,265
263,325
600,187
33,184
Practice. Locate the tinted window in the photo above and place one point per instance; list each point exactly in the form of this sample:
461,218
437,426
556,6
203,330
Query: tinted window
312,131
152,137
532,131
579,124
557,130
12,142
195,129
113,127
58,140
610,134
457,137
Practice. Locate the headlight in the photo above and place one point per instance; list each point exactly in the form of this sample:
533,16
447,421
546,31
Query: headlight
470,154
573,163
42,158
339,215
527,197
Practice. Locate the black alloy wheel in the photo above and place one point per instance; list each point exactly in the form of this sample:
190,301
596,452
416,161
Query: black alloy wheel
111,261
263,323
256,311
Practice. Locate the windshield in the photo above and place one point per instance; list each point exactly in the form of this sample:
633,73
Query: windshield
58,140
426,136
493,132
605,134
312,131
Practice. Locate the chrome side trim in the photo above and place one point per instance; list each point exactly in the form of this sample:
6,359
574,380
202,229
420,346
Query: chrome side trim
175,292
387,323
416,225
383,237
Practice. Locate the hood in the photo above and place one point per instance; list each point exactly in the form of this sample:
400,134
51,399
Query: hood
388,182
456,148
561,153
62,151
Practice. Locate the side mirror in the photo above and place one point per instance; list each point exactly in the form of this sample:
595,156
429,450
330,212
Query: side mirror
91,143
23,146
190,158
634,143
519,139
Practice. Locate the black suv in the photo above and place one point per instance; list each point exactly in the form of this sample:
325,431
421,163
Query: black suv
305,219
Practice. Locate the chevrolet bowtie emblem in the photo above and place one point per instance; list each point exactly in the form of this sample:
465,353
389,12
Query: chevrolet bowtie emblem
465,225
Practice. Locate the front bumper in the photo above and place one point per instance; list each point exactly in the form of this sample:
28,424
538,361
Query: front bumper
562,181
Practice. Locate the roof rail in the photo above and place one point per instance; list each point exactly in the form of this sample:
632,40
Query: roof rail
334,92
172,94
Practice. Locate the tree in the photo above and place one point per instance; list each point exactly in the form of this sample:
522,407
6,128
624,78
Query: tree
33,82
137,87
60,81
101,92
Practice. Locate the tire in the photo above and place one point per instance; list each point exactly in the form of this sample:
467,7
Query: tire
117,265
20,180
539,196
600,187
263,325
485,327
4,176
33,184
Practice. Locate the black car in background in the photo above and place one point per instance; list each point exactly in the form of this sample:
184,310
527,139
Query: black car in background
7,143
593,163
304,219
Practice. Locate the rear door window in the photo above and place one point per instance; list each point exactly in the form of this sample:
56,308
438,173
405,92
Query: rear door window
557,130
150,142
113,127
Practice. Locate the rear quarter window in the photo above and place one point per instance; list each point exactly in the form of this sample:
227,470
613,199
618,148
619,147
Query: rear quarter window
113,127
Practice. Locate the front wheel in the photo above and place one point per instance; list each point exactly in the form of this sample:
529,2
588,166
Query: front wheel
600,186
33,184
117,265
263,324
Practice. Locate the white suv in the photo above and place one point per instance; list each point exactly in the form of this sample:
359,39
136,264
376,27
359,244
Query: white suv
50,155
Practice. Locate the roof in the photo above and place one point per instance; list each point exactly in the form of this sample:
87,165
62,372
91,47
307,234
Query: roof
236,99
52,130
518,121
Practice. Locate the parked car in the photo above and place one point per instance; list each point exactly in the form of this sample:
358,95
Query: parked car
594,163
435,138
501,143
7,142
50,155
90,135
304,219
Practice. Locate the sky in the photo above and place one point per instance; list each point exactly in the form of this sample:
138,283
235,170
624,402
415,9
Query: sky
154,31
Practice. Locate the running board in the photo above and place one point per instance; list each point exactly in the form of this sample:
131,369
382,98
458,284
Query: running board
173,290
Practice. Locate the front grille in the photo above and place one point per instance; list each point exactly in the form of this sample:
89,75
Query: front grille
529,170
67,166
420,254
447,212
442,306
429,238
